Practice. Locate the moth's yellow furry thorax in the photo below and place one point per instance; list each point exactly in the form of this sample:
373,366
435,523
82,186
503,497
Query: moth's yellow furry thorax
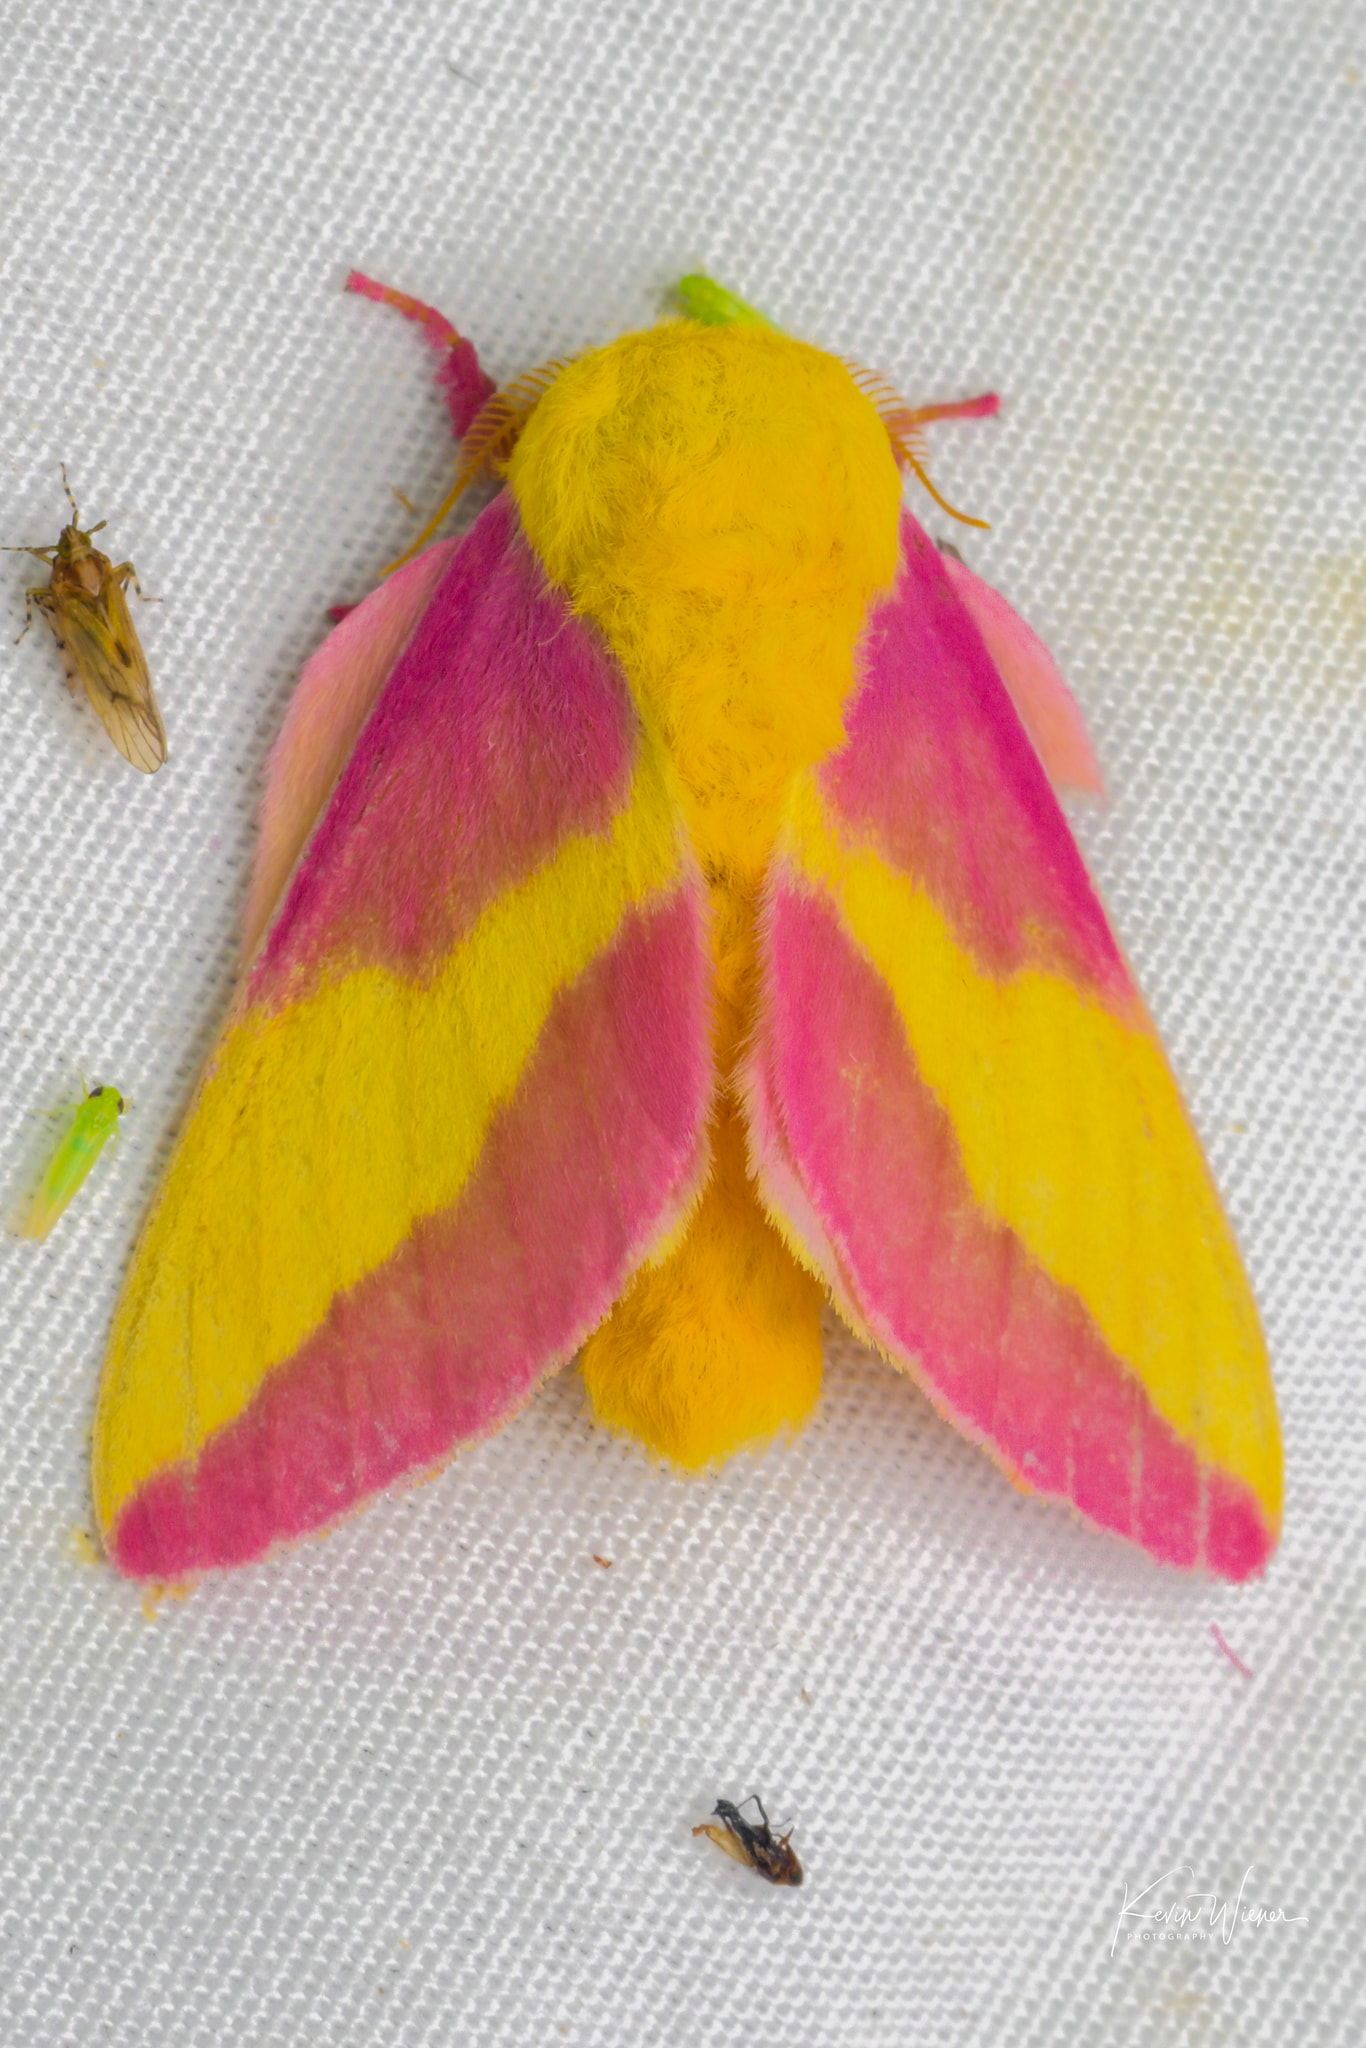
723,502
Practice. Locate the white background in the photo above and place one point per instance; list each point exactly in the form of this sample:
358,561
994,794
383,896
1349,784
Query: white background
431,1780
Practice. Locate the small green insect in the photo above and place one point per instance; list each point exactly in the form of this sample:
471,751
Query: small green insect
705,300
86,606
96,1121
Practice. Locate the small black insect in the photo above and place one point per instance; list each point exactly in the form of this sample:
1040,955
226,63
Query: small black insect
753,1843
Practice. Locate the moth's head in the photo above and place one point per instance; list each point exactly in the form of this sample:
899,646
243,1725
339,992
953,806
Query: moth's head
493,436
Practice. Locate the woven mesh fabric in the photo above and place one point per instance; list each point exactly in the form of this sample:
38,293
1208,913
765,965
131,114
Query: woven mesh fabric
431,1781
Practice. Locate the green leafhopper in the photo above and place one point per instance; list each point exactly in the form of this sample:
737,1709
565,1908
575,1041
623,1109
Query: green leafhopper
85,604
97,1119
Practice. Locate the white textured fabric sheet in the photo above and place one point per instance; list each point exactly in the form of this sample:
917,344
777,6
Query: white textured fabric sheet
432,1780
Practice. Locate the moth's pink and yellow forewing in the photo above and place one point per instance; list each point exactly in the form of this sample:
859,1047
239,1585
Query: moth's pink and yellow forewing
962,1114
462,1095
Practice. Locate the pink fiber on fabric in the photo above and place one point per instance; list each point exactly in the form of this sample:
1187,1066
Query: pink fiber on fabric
590,1161
464,385
1234,1659
939,774
1046,706
330,704
1010,1355
504,726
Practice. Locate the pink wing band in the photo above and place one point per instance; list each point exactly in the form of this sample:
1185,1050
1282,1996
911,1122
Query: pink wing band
463,779
331,702
597,1150
939,776
334,694
1035,1383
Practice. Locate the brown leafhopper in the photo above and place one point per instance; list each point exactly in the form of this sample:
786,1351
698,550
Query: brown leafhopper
85,604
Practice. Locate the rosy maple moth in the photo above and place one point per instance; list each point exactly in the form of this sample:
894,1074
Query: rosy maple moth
85,603
754,1843
664,925
95,1122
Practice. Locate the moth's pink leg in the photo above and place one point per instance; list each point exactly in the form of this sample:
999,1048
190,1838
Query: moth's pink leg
465,386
